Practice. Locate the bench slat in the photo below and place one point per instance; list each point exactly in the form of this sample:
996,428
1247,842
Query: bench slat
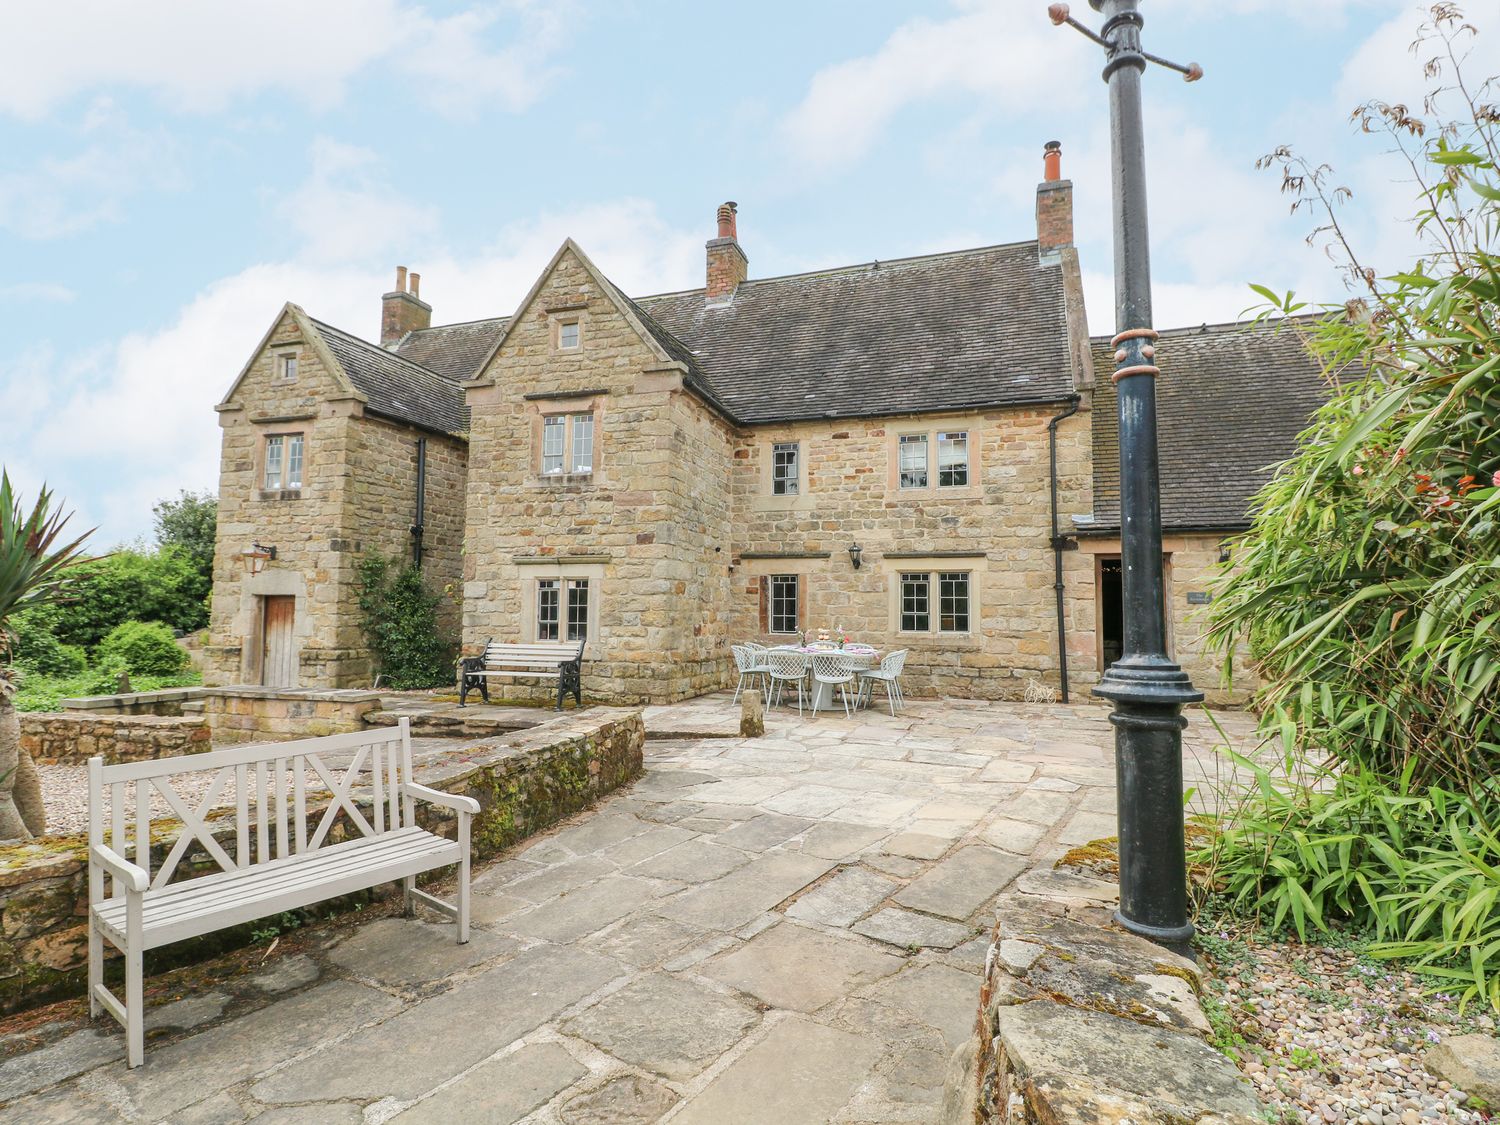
243,896
187,899
255,752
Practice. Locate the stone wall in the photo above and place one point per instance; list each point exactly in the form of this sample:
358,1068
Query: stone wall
1192,560
358,493
52,738
247,714
383,509
167,701
996,529
648,527
524,782
1080,1021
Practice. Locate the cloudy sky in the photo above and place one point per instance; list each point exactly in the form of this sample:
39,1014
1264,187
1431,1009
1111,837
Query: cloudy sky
171,171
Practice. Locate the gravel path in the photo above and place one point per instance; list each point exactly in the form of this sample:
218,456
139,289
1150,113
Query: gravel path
1326,1036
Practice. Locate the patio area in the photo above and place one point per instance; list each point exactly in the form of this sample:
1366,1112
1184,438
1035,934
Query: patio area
786,929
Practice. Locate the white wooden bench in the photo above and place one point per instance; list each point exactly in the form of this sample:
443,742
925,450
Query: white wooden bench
279,863
541,660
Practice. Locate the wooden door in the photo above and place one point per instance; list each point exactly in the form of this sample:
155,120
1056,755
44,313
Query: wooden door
278,667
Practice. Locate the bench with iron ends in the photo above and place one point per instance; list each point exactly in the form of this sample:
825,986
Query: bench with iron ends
540,660
281,862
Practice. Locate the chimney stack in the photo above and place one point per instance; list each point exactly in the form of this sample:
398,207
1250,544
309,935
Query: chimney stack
1054,206
402,310
727,264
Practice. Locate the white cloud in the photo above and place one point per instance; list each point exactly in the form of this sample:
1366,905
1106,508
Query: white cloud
198,55
64,195
345,212
989,58
36,291
1385,67
114,429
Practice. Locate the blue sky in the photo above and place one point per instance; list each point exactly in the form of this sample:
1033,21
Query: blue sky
171,171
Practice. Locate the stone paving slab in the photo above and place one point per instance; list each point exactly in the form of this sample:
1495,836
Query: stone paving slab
431,1042
963,882
665,1024
906,929
800,1072
844,898
791,966
506,1088
626,1100
694,861
832,839
190,1069
586,910
405,952
743,894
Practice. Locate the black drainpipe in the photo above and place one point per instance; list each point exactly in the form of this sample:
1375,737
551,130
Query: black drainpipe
1059,544
417,527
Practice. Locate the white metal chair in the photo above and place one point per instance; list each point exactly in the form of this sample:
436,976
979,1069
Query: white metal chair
836,669
889,673
750,665
785,667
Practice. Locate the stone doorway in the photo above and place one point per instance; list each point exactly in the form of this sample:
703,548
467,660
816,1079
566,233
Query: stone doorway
278,661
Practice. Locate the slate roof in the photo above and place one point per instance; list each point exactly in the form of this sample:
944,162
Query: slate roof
981,327
1230,402
454,351
396,387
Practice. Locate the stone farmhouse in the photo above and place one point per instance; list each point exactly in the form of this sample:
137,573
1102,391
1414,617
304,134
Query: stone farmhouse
920,452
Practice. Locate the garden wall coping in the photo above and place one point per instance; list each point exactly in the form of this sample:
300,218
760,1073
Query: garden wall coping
1081,1022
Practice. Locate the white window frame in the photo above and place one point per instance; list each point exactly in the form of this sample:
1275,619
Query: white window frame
783,484
912,441
934,581
914,576
947,439
286,367
574,454
564,624
284,463
775,582
562,332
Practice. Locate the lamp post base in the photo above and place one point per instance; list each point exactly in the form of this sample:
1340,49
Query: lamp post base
1148,693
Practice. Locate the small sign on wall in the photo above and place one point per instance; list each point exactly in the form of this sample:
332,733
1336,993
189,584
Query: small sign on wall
1199,597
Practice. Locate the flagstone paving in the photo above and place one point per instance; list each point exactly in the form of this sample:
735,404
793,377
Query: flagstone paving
787,929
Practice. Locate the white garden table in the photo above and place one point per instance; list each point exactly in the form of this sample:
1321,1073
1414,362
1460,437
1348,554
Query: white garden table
822,694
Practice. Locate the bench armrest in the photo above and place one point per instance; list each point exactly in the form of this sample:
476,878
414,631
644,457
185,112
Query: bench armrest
437,797
119,867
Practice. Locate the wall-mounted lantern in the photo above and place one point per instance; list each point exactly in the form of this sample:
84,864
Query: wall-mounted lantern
255,558
855,551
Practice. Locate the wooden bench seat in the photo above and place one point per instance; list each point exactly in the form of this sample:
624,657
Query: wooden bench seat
543,660
282,860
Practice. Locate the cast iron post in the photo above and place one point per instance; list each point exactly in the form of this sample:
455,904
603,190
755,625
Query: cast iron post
1145,685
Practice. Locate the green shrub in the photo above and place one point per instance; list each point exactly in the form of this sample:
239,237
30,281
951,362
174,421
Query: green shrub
144,648
35,646
45,693
1368,587
134,585
1416,867
401,624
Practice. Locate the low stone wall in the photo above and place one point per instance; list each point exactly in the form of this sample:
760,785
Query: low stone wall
167,701
257,714
1080,1021
524,782
55,737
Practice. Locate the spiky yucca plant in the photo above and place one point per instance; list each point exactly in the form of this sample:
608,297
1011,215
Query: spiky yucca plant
36,568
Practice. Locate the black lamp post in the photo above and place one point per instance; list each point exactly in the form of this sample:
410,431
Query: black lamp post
1147,687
